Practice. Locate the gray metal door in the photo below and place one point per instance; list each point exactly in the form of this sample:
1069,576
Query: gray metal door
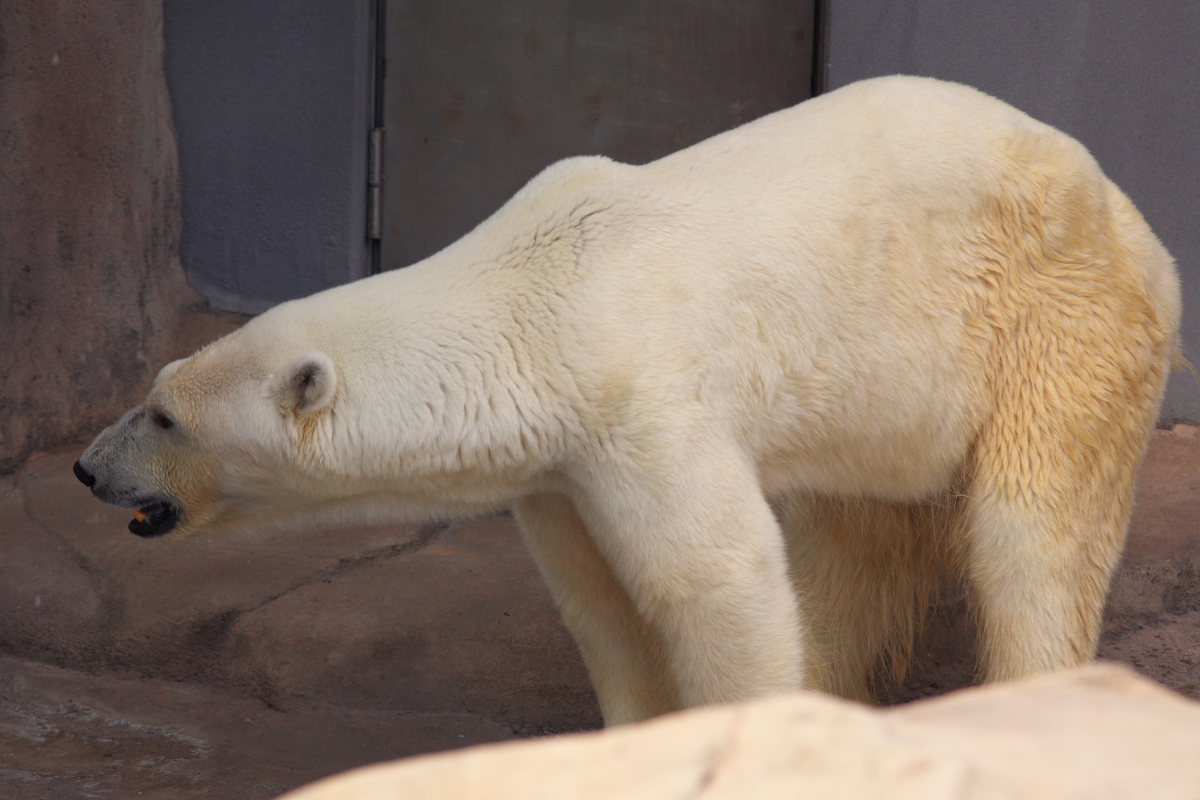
479,96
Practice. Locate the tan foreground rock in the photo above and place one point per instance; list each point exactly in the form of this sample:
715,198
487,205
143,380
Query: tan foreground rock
1101,731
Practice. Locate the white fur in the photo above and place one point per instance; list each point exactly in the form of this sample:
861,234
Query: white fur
922,324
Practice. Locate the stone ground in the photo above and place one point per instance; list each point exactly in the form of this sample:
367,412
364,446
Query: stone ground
246,666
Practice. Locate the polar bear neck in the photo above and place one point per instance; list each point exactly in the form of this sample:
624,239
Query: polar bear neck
475,391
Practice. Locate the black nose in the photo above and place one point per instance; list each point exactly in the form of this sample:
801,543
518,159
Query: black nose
85,477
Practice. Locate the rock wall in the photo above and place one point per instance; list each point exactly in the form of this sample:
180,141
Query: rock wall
91,291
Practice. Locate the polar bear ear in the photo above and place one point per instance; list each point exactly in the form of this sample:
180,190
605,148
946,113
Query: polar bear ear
309,384
167,371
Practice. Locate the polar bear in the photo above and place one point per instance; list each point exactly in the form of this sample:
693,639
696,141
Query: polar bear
746,401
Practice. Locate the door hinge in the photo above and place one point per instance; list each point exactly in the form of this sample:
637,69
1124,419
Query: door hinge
375,184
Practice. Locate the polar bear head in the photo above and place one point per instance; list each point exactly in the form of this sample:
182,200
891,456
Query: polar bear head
222,437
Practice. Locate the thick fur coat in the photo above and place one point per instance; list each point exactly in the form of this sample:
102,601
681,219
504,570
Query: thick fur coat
747,401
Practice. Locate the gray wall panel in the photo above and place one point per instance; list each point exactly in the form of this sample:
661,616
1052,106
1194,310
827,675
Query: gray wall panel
481,96
272,105
1123,78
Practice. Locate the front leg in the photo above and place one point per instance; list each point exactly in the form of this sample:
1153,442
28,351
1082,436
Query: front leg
691,538
624,657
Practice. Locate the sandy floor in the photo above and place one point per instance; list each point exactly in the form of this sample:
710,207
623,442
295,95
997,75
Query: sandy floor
241,668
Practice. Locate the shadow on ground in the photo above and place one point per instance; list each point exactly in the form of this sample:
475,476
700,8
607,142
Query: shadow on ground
246,666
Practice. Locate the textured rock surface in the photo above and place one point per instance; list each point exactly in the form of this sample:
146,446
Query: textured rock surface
68,736
1098,732
92,296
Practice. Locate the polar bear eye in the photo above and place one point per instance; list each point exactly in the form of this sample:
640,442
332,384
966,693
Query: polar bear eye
162,420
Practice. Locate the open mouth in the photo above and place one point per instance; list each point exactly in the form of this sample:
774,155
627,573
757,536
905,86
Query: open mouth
154,519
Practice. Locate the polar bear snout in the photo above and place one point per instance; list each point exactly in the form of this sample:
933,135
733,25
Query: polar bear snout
85,477
154,514
119,471
107,484
90,475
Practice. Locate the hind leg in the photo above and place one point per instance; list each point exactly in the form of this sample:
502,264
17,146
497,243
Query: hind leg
623,656
864,571
1039,576
1047,514
1080,319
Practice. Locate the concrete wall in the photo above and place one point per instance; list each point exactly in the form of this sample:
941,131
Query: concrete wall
1123,78
92,297
272,102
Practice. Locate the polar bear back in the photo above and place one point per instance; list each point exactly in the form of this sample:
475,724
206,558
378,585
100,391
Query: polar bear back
830,269
828,281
